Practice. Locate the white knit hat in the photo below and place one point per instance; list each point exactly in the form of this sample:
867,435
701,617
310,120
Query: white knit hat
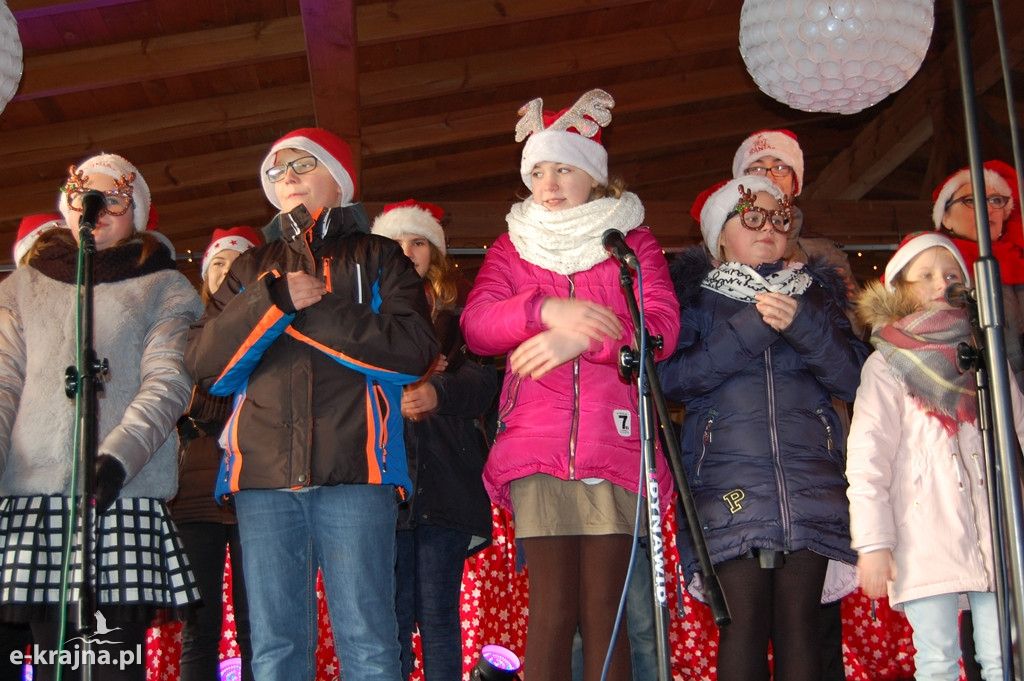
328,148
715,204
782,144
912,246
240,239
944,192
116,167
571,136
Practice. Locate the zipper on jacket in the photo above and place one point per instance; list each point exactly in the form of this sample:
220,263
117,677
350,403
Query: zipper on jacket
575,423
829,442
705,441
780,480
328,284
511,398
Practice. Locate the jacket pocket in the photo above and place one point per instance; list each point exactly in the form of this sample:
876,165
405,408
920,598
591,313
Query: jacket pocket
507,405
705,442
834,453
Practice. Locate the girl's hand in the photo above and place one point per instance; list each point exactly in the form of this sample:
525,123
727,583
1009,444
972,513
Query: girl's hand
595,321
777,309
546,351
419,400
877,569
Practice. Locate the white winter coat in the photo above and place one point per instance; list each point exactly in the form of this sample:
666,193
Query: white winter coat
919,491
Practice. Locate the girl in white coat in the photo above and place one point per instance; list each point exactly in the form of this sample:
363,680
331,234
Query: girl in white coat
919,515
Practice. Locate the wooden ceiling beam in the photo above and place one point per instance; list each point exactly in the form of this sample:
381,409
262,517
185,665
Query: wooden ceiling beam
903,128
390,21
498,69
124,130
99,66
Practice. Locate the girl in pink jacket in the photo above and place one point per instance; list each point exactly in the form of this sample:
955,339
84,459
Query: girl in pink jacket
566,459
919,515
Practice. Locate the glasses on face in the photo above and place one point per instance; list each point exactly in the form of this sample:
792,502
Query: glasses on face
115,202
301,166
775,171
754,217
994,201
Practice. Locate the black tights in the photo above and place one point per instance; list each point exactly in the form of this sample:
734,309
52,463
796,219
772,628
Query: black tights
125,639
576,581
779,605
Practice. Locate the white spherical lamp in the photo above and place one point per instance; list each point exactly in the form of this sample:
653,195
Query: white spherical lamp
838,56
10,55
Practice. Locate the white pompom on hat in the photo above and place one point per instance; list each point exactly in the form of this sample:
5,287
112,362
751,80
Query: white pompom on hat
943,194
328,148
31,228
715,203
782,144
912,246
116,167
571,136
412,217
240,239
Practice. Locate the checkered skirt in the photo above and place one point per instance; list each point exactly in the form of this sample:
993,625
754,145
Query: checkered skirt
141,563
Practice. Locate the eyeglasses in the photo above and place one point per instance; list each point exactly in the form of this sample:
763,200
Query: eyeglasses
115,203
754,217
994,201
301,166
775,171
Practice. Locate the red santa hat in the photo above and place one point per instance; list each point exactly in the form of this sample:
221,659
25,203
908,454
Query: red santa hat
782,144
912,246
116,167
31,228
240,239
715,203
571,136
411,217
995,179
328,148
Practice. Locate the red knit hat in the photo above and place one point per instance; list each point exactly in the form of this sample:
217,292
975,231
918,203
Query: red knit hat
240,239
411,217
328,148
32,226
781,144
998,176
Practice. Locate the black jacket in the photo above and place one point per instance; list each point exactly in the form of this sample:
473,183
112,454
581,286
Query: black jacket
317,391
446,451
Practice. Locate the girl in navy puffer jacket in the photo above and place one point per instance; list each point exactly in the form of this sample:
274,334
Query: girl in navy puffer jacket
763,347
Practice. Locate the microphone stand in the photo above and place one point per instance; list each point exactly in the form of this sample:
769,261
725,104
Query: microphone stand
1001,454
81,382
650,391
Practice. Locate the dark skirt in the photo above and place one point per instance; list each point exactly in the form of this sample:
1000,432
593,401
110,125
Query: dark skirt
140,563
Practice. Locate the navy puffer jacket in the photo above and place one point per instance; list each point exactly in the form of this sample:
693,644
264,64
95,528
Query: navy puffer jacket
761,441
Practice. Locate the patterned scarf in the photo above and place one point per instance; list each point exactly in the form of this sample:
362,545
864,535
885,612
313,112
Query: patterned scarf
921,351
742,282
569,241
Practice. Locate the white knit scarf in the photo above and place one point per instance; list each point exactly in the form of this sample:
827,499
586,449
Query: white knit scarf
742,282
569,241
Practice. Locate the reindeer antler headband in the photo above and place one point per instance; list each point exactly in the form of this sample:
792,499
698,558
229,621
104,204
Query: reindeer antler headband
572,137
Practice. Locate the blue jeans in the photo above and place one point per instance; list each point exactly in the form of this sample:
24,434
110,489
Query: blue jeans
348,532
935,621
431,560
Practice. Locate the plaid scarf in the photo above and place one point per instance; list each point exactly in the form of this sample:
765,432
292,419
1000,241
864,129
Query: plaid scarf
921,351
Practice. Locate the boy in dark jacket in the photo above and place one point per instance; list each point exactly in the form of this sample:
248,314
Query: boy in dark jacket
315,333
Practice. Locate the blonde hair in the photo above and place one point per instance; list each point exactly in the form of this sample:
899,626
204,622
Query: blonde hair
441,280
50,237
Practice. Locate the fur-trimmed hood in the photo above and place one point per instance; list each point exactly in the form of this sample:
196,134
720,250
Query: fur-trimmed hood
689,268
877,306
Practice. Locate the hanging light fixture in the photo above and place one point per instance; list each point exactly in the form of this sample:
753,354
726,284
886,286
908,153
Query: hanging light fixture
838,56
10,55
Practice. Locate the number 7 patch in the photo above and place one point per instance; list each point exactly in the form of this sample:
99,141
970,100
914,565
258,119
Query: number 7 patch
623,421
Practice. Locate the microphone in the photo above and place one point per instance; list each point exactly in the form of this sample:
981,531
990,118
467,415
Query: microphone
93,203
959,295
615,243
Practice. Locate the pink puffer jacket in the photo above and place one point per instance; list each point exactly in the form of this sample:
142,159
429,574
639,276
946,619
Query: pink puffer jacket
580,420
